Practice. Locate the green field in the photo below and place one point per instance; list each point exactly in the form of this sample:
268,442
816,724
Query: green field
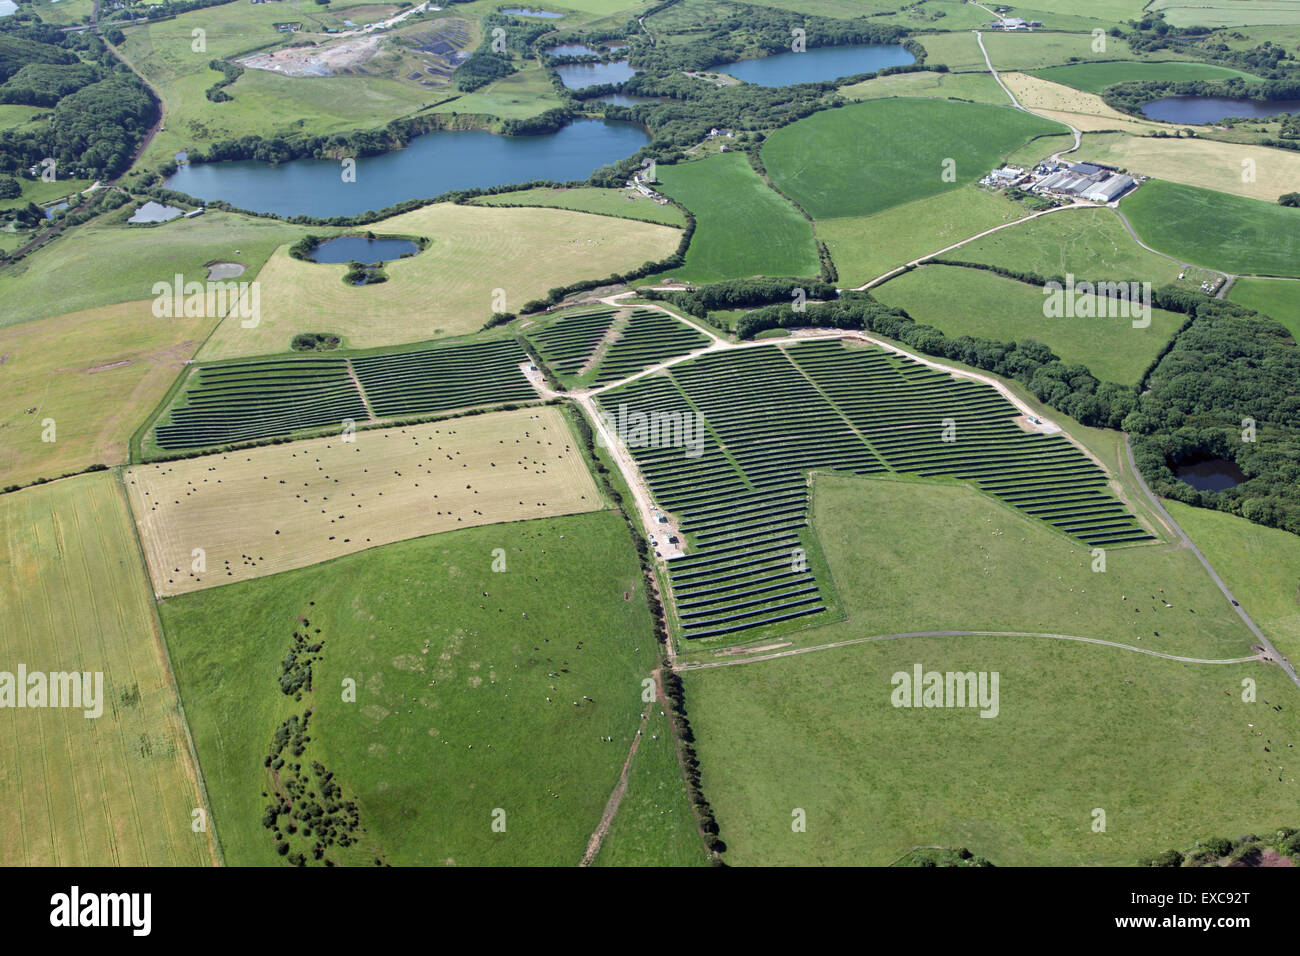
1277,298
1227,13
107,262
870,156
864,247
451,700
627,204
1095,77
1090,243
985,305
1079,726
114,790
743,228
1260,565
979,87
516,96
1215,229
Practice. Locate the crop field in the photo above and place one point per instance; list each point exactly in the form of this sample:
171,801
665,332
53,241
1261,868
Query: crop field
986,305
258,516
870,156
1207,163
743,228
979,87
865,247
449,288
105,263
1078,727
627,204
1088,243
1227,13
1260,565
1095,77
245,401
771,414
120,788
1277,298
1085,111
451,703
1216,230
95,375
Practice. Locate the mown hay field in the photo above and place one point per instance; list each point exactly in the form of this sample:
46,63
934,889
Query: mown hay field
448,289
265,510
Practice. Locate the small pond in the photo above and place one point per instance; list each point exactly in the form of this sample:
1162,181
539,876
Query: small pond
577,76
361,249
1209,474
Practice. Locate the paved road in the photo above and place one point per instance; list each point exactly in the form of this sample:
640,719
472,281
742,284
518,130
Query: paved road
1271,652
705,665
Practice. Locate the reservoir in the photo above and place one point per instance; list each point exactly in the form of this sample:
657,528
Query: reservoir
433,164
1198,110
577,76
818,64
363,250
1209,474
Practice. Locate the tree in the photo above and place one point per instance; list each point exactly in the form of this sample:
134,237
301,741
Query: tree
10,188
1289,199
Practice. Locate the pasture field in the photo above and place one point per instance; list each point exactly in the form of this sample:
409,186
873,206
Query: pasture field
1227,13
986,305
517,96
958,51
867,157
275,508
1095,77
1215,229
864,247
1041,49
114,790
1041,148
979,87
451,703
1084,111
743,228
63,11
655,825
772,413
1090,243
1260,565
245,401
1277,298
1079,726
450,287
1206,163
263,103
96,373
104,263
624,203
14,116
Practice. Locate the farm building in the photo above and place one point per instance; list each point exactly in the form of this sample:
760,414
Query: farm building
1110,189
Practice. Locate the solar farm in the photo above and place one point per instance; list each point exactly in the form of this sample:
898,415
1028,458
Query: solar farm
602,346
246,401
774,413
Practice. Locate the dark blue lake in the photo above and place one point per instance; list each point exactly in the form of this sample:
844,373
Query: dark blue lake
1197,110
361,249
433,164
577,76
815,65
